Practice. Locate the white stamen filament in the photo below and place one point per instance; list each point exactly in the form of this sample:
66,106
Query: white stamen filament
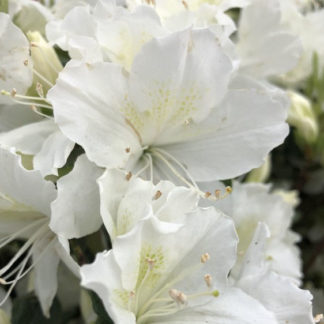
43,78
164,156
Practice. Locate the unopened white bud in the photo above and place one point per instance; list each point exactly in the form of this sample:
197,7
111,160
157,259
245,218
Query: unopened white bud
301,116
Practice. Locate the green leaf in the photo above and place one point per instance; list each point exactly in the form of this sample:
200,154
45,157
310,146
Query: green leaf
98,307
4,6
27,310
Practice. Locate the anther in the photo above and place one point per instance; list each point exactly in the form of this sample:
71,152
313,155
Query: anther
132,294
128,176
229,189
185,4
157,195
207,194
39,89
208,279
178,296
13,92
26,62
217,193
3,282
150,262
318,318
204,258
127,149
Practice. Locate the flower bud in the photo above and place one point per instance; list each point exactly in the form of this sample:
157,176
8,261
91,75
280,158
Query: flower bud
301,116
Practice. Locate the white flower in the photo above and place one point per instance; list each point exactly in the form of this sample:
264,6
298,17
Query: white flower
25,214
276,293
124,202
266,47
154,276
252,203
15,65
108,32
173,109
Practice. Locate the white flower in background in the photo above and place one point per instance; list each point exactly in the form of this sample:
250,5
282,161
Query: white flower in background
308,25
25,214
109,32
15,65
266,47
180,114
153,275
124,202
252,203
276,293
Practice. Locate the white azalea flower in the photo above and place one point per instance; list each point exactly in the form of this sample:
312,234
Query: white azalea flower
154,276
15,65
108,32
180,114
266,47
291,304
308,26
124,202
25,214
252,203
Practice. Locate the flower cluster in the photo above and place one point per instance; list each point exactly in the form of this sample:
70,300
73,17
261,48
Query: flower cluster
123,123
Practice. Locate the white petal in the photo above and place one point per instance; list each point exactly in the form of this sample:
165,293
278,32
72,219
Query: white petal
53,154
86,101
13,116
247,124
14,52
26,187
75,212
45,273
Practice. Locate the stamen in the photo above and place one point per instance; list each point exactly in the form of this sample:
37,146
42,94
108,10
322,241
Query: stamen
164,156
178,296
157,195
204,258
39,89
128,176
208,279
127,149
318,318
43,78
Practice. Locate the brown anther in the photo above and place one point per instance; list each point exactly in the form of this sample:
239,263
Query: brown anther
207,194
39,89
204,258
13,92
132,294
150,262
128,176
208,279
185,4
229,189
26,62
157,195
318,318
217,193
178,296
127,149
